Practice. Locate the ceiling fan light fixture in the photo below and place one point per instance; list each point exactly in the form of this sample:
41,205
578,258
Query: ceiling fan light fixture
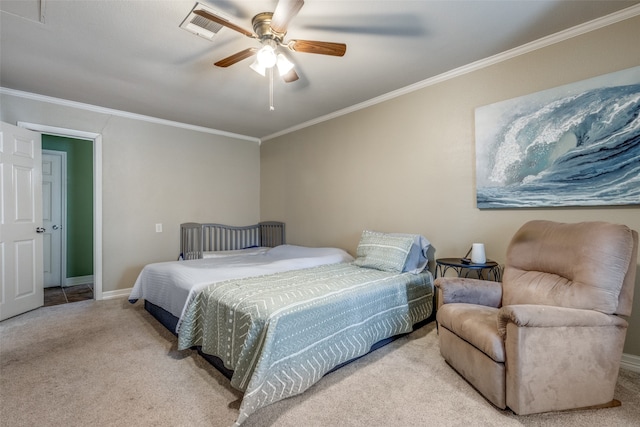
284,65
267,56
258,68
270,29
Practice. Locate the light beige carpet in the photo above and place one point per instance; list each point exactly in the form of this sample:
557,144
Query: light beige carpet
109,363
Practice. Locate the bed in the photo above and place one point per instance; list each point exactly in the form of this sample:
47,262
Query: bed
217,252
278,334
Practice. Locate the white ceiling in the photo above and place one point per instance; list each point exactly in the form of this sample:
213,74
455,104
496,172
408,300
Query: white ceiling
132,55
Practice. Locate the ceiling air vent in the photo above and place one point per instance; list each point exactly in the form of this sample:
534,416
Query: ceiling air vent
201,26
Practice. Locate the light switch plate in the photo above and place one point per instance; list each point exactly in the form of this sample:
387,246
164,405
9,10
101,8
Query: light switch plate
158,228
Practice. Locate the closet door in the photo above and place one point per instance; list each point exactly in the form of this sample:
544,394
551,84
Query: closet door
53,173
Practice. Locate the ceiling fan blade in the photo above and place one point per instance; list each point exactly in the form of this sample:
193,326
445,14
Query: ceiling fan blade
291,76
223,22
236,57
285,11
322,48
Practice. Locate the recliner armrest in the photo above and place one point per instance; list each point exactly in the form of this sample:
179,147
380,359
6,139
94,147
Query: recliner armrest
470,291
547,316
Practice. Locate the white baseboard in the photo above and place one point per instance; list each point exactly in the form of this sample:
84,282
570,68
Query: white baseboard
78,280
120,293
630,362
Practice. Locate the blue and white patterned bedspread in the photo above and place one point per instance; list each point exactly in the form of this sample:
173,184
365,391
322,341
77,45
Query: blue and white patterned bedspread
281,333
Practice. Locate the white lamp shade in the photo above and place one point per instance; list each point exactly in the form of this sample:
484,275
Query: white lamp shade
477,253
284,65
267,56
258,68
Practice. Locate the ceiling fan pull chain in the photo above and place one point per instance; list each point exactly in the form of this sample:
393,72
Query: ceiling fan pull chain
271,107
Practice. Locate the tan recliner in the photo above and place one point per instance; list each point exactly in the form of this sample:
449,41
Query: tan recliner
550,336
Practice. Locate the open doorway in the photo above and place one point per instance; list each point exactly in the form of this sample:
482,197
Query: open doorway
95,142
67,174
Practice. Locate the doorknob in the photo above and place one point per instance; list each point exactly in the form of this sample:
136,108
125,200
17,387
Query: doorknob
40,230
55,227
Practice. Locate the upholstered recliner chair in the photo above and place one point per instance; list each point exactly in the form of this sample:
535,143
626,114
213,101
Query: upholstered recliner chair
550,336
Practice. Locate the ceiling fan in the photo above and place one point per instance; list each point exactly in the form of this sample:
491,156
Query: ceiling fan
270,29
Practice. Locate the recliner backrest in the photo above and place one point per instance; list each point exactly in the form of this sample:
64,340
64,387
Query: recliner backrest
583,265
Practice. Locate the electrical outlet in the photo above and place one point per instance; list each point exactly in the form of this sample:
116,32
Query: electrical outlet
158,228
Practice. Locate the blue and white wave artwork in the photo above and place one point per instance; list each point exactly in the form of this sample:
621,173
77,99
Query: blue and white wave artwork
577,145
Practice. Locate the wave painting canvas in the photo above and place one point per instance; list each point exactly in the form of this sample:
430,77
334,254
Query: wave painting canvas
575,145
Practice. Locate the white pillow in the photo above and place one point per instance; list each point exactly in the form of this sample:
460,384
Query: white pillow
247,251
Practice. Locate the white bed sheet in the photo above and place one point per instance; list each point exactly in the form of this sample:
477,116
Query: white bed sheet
171,285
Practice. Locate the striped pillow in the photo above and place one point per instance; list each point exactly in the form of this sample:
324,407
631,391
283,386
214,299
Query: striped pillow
386,252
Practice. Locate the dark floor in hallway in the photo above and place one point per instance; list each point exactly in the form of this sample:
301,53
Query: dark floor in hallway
62,295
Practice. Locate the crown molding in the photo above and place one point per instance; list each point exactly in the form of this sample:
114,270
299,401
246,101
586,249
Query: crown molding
119,113
578,30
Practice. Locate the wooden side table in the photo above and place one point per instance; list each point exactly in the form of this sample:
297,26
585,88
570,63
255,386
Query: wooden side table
463,269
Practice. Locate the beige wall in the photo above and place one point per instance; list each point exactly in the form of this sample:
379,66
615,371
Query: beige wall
154,173
408,164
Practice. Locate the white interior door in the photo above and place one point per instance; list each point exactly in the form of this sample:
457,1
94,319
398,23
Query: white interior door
21,276
53,172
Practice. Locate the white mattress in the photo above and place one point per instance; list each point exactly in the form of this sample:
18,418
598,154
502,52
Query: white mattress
171,285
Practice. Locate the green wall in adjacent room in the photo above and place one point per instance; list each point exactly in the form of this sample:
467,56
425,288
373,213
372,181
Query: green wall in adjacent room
79,230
